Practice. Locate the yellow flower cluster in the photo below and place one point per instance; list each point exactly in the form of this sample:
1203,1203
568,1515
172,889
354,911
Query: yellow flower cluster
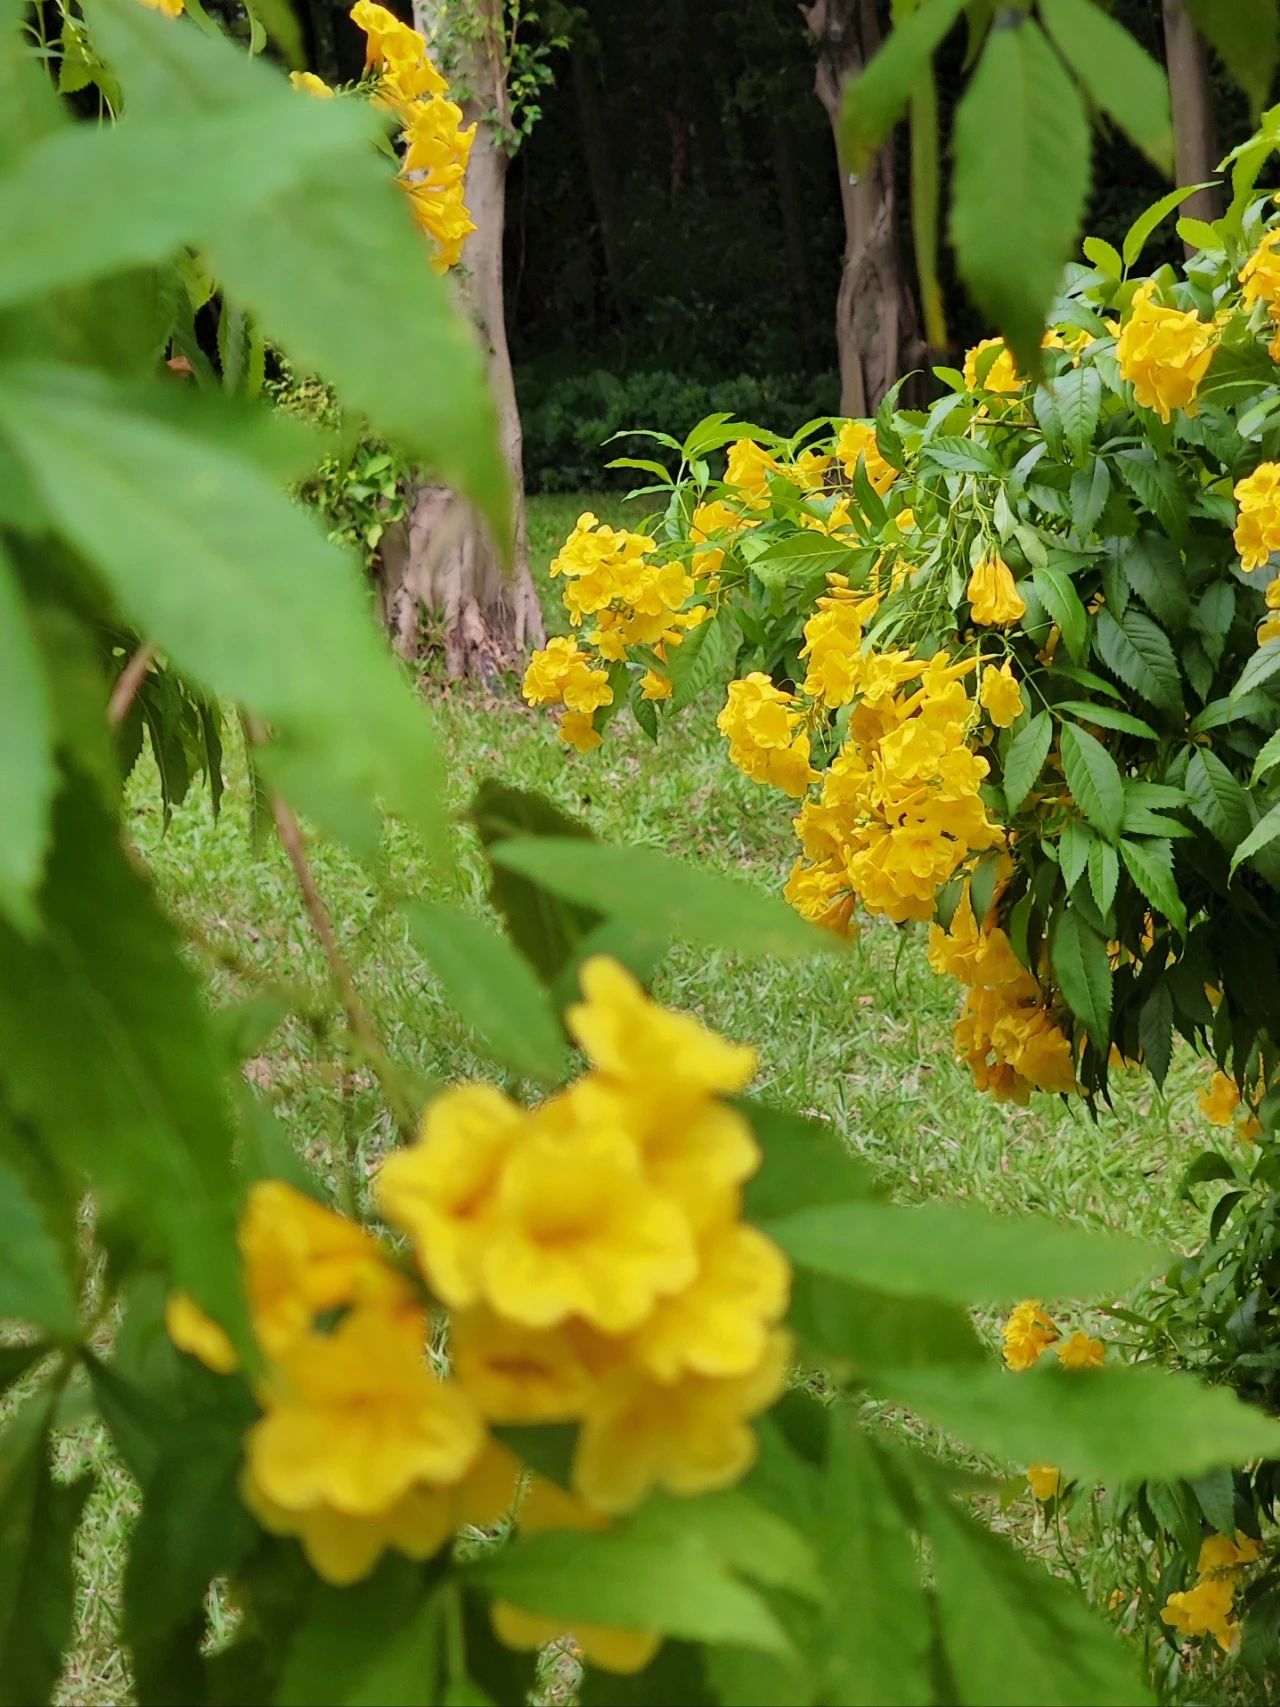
1002,374
762,725
1205,1609
858,439
592,1255
633,602
1005,1033
170,8
900,809
562,674
597,1271
1224,1106
1260,277
993,593
1257,530
1164,353
1000,696
436,147
1027,1335
712,521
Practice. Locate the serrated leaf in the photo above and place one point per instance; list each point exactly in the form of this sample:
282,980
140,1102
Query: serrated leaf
1217,799
1135,239
1104,874
1261,667
801,557
698,664
1154,570
876,99
1214,615
1107,717
1121,78
492,988
1140,654
1155,1032
1263,833
1267,759
1150,864
961,456
1078,392
1073,851
1080,965
1154,483
1019,186
1094,780
1090,489
1025,758
1104,256
1062,602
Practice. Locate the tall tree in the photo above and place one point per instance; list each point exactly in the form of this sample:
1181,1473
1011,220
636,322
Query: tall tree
877,325
442,557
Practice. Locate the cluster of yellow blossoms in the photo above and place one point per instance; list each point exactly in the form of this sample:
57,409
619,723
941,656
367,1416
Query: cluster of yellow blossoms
1205,1609
1223,1104
596,1271
632,601
1009,1038
1164,353
1257,530
1260,277
761,723
1027,1335
436,146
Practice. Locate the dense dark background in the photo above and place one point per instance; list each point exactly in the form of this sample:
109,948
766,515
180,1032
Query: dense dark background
674,229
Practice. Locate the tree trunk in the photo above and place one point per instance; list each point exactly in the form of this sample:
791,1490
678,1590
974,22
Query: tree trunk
877,326
442,559
1195,139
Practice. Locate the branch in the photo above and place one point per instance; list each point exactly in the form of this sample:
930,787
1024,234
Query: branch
128,682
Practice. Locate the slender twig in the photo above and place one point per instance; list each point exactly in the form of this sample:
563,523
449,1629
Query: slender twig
128,682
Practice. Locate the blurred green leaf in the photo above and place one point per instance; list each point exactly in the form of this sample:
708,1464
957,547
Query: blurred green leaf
1243,34
378,1641
34,1284
878,96
652,888
1021,176
1106,1425
1013,1633
27,772
960,1253
1128,85
214,565
493,989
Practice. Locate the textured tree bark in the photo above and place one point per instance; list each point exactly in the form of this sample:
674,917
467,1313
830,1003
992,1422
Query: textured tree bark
441,560
1195,139
877,325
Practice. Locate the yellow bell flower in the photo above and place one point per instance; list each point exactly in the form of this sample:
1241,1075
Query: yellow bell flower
1080,1351
1045,1480
1164,353
1001,695
993,594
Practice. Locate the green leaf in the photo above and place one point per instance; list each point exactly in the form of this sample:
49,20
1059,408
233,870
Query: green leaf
800,557
546,929
1025,758
139,1096
959,1253
804,1163
666,894
34,1284
1078,393
96,199
492,988
1104,256
1213,618
1079,959
1154,483
376,1642
1020,183
1262,665
138,497
1154,570
1107,717
1150,864
1012,1632
1140,655
877,98
38,1520
1073,851
1062,602
1267,759
1104,874
1121,78
1090,489
1263,833
873,1647
1217,799
740,1533
1155,1032
632,1581
380,326
1094,780
699,664
1135,239
1243,34
1118,1424
864,1327
27,773
962,456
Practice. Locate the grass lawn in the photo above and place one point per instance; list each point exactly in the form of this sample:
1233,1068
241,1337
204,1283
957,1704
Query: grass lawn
863,1039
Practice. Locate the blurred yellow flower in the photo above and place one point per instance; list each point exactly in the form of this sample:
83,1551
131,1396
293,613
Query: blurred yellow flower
1027,1335
1002,374
1045,1480
1080,1351
310,84
192,1331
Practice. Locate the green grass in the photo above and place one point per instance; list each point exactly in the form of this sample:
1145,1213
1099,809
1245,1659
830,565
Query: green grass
863,1039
